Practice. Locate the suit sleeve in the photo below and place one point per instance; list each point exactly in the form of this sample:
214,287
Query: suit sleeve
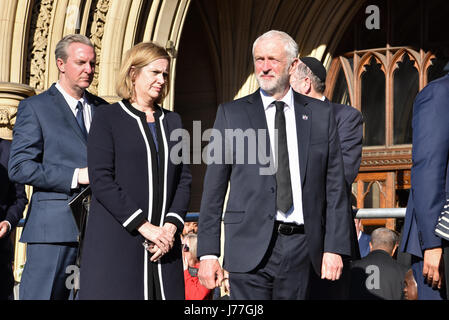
100,159
180,203
25,162
337,235
350,133
214,192
16,199
430,159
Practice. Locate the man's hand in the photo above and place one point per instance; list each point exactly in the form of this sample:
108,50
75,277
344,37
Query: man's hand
83,176
4,229
331,267
433,267
210,273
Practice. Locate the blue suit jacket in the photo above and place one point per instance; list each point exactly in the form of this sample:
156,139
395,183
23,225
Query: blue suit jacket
47,147
430,184
251,207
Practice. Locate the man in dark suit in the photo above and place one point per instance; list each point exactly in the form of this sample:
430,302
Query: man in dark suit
429,191
309,79
13,200
378,276
48,152
279,222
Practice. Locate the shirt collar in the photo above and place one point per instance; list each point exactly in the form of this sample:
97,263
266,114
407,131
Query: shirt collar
71,101
268,100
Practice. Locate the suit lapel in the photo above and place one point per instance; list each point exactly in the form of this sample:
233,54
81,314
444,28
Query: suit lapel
258,120
303,124
61,104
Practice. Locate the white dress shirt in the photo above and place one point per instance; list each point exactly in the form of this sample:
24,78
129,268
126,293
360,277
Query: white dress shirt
295,214
87,114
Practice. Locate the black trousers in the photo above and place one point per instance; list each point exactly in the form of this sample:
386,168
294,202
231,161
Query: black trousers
283,273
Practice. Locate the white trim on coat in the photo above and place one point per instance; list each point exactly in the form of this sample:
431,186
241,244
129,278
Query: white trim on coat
150,194
164,198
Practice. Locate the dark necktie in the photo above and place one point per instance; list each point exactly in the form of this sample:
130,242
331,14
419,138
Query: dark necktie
80,118
284,199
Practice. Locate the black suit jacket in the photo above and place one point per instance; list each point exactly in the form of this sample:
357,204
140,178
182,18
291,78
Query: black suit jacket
377,277
251,207
13,198
350,131
12,202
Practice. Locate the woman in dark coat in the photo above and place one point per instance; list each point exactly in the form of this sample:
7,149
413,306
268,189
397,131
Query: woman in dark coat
140,191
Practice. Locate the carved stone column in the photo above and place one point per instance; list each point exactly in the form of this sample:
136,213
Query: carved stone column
10,96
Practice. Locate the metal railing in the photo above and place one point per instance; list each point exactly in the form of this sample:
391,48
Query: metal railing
380,213
372,213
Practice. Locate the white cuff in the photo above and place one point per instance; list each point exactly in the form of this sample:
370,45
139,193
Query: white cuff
75,179
210,257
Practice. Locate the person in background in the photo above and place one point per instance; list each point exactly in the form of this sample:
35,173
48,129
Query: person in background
13,200
194,289
378,276
410,286
49,152
363,238
140,193
310,80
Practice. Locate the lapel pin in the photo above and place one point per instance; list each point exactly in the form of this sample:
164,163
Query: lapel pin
305,117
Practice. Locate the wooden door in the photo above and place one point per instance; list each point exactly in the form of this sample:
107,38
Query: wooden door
375,190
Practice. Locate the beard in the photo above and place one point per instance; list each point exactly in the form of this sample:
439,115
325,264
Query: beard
272,86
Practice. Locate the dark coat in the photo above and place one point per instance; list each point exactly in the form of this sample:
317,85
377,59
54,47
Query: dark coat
131,183
350,132
377,277
251,207
430,169
13,200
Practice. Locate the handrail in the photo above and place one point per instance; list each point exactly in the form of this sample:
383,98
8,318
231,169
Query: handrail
363,213
379,213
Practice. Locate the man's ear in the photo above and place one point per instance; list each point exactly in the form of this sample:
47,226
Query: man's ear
307,84
293,66
60,64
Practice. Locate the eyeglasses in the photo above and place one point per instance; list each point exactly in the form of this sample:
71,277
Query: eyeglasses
186,248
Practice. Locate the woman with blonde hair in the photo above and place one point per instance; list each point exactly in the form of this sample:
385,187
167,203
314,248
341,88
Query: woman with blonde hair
140,196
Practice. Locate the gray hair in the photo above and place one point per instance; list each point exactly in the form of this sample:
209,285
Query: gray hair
383,238
63,44
291,47
304,71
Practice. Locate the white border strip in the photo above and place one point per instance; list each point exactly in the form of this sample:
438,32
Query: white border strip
150,194
130,219
164,199
177,216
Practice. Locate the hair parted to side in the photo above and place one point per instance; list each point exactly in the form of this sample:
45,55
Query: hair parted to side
304,71
291,47
138,57
63,44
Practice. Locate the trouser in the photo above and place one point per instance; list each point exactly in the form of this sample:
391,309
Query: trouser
283,273
45,274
